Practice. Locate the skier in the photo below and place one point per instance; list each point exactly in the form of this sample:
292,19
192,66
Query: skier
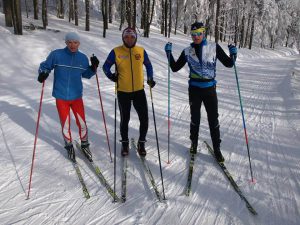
70,65
201,57
129,76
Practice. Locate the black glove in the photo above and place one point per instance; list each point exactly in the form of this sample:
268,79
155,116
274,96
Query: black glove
113,77
94,62
42,76
151,83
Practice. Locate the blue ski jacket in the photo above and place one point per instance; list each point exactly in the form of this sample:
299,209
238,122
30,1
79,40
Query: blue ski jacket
69,67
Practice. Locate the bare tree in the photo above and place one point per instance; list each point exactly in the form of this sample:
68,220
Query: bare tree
110,5
122,13
7,9
44,14
217,22
60,9
76,12
87,15
104,15
17,18
71,10
36,9
252,32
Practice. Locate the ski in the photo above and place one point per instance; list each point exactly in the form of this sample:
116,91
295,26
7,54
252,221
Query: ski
100,176
124,172
233,183
147,171
78,172
190,175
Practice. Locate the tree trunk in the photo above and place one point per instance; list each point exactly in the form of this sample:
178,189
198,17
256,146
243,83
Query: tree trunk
71,10
146,9
123,7
134,13
17,18
217,22
166,18
26,7
44,14
162,22
87,15
176,17
252,32
170,18
247,30
60,9
76,12
236,33
7,9
104,15
110,4
242,32
36,9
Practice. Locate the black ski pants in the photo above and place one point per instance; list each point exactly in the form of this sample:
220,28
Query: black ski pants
210,100
139,101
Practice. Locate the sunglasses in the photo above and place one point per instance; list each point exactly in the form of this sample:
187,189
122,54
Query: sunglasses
196,34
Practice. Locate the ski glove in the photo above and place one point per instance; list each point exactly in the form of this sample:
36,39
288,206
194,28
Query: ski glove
232,51
42,76
168,48
94,62
113,77
151,82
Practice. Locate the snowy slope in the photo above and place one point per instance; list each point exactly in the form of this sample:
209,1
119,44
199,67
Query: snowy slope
270,89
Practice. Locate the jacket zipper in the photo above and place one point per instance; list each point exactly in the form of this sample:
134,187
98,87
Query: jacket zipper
131,70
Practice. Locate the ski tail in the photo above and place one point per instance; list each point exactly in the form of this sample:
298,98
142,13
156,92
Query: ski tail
231,180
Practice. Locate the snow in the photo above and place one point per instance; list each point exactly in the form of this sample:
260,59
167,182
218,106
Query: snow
270,90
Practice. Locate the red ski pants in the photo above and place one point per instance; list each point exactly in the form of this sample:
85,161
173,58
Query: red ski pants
63,108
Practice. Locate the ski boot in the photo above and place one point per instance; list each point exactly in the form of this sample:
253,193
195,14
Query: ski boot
193,148
219,156
71,153
141,148
86,150
125,148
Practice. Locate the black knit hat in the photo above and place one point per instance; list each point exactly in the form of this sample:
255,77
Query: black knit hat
197,25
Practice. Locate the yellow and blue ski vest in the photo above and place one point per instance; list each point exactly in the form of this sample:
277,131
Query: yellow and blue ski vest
129,65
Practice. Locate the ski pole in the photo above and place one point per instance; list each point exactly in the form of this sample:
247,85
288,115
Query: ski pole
244,123
161,175
35,140
103,116
115,142
169,123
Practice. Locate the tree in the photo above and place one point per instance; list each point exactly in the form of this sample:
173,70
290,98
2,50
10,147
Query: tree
17,18
7,9
44,14
217,22
104,15
60,9
87,15
36,9
71,10
76,12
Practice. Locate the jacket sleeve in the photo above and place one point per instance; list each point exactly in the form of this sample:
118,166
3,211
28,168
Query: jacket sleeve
148,66
223,57
175,66
109,62
88,73
47,65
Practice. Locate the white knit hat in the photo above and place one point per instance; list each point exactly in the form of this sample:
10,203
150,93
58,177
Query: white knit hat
72,36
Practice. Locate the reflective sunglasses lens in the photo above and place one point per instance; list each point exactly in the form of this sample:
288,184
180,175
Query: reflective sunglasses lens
194,34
